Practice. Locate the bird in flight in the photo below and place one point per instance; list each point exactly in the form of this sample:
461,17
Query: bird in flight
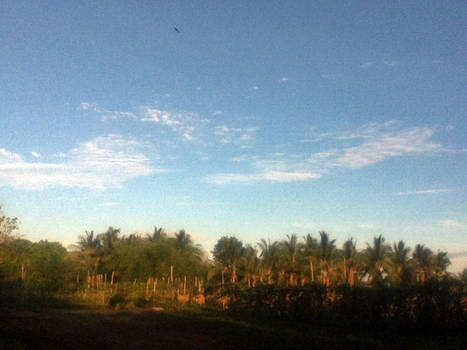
176,29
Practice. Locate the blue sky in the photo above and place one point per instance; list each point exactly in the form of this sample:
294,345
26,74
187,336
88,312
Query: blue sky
256,119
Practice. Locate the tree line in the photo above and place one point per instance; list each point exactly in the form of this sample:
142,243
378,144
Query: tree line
293,261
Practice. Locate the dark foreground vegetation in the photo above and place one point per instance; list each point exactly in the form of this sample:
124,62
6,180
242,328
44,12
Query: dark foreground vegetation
161,291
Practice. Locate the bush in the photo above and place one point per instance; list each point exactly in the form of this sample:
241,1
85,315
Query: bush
116,301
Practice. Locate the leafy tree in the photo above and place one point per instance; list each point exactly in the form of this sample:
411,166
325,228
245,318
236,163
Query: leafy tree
46,266
8,226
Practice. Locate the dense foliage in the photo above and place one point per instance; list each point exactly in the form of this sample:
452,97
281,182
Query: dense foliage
306,280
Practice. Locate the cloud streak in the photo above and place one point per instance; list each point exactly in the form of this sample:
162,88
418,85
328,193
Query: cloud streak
373,143
106,114
430,191
101,163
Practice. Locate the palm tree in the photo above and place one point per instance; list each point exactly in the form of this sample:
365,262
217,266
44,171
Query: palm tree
291,248
250,262
229,251
182,240
109,238
309,250
422,258
157,235
269,255
87,241
376,256
441,263
325,251
400,270
349,249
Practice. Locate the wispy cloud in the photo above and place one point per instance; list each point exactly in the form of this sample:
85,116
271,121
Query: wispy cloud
373,143
265,171
108,204
331,76
453,223
231,135
391,63
106,114
387,63
284,79
377,149
35,154
430,191
180,123
269,176
103,162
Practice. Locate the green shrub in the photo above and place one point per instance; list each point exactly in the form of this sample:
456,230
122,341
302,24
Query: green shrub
116,301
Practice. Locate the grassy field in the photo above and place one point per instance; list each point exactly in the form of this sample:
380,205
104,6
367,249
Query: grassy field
192,328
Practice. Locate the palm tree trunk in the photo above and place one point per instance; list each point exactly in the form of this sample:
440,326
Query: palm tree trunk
311,269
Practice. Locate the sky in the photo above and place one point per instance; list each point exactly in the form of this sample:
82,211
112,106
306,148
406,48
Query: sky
253,119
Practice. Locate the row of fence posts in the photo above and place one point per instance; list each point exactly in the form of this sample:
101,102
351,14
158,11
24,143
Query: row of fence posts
100,282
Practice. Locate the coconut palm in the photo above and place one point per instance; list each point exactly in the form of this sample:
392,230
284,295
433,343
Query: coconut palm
182,240
87,241
441,263
423,261
349,250
250,264
229,251
310,248
325,251
109,238
269,257
91,252
291,249
376,258
399,267
157,235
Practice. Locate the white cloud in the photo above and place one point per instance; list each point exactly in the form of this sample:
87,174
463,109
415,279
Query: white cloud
101,163
453,223
229,135
181,123
265,171
284,79
108,204
268,176
430,191
6,156
105,114
35,154
160,116
416,140
375,143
